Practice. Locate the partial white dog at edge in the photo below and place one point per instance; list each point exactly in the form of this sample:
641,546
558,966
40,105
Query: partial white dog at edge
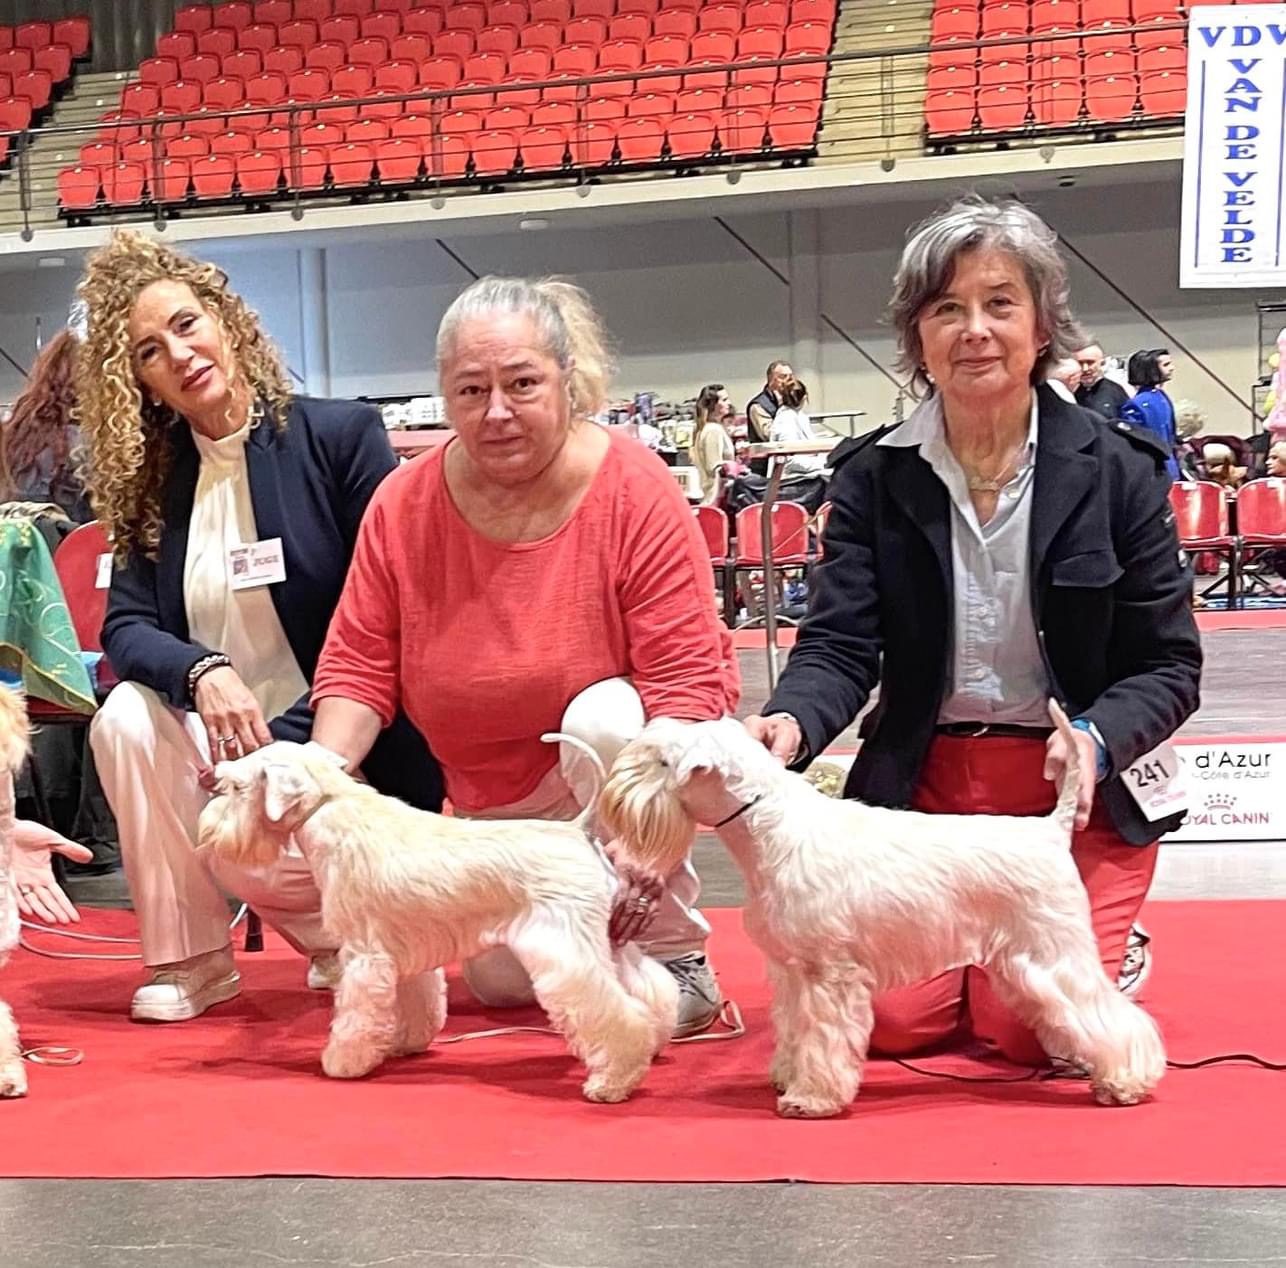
847,901
406,892
13,750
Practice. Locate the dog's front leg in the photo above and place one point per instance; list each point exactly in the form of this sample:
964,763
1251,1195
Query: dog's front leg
833,1016
422,1011
364,1028
786,1026
13,1074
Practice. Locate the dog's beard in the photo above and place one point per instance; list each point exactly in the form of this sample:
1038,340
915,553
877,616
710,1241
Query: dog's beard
231,829
641,811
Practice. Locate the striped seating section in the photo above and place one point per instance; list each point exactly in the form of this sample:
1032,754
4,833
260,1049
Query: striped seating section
1115,74
508,105
36,60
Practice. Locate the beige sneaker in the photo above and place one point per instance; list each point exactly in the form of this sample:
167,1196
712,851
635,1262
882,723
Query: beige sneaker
699,995
324,971
179,992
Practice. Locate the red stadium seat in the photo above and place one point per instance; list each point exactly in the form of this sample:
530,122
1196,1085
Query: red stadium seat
367,52
341,29
312,10
237,14
1057,89
336,109
712,100
1162,57
410,48
274,11
485,68
806,91
187,147
74,33
224,93
244,64
637,6
474,100
949,111
401,77
1164,92
397,160
792,127
808,37
307,170
352,81
554,114
55,61
494,152
448,157
650,104
33,35
439,74
812,10
1050,17
593,143
593,9
195,18
327,56
465,17
640,140
427,22
543,147
300,34
176,44
630,26
559,11
78,187
123,184
497,39
579,59
506,118
15,114
725,18
713,46
352,8
158,71
457,44
181,97
585,31
321,136
259,36
201,67
1003,108
382,26
15,61
690,6
1004,20
218,41
231,142
541,35
620,56
695,77
170,183
460,122
1105,13
139,99
760,41
283,61
97,154
990,74
507,13
675,22
275,139
605,109
113,129
529,63
308,85
266,90
691,135
351,165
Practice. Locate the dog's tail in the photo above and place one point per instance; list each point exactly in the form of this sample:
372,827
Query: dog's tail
558,737
1065,810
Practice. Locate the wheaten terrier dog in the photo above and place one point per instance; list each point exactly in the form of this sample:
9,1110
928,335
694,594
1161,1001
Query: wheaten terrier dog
406,892
847,901
13,750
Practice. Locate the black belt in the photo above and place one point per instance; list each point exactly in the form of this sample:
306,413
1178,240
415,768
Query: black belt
999,730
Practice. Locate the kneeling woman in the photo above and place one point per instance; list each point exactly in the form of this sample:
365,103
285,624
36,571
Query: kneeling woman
233,508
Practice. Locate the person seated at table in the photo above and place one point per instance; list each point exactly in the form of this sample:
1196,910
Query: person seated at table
202,460
538,573
791,424
712,450
41,435
999,547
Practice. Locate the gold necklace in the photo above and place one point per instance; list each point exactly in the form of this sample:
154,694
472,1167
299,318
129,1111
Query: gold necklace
993,484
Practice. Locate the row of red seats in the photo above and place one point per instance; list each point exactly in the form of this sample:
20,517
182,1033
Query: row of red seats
797,40
73,33
965,15
1091,45
441,155
742,128
1067,64
198,18
53,59
1055,100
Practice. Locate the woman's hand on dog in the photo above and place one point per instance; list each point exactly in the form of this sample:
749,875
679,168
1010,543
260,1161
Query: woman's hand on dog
1056,762
638,897
779,734
234,722
40,897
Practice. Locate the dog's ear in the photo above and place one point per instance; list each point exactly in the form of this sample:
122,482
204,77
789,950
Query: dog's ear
284,787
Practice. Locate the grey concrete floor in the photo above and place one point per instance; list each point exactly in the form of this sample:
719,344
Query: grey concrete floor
201,1224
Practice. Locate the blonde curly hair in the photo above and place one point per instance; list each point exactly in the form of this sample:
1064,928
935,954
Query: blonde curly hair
127,451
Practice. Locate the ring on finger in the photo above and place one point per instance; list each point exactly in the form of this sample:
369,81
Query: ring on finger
226,741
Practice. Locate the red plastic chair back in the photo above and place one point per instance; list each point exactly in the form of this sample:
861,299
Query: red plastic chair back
1261,510
789,535
713,523
1200,511
76,562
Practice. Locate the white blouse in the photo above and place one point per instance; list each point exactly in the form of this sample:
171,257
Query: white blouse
243,624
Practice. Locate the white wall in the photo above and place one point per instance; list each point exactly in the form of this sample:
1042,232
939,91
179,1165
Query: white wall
686,304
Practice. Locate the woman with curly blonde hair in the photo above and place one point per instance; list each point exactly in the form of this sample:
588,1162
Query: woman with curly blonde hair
233,508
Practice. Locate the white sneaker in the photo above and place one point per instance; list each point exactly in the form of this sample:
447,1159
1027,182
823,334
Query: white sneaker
179,992
1136,967
699,995
324,971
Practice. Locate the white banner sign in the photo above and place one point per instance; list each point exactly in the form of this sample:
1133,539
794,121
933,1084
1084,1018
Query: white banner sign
1233,156
1236,792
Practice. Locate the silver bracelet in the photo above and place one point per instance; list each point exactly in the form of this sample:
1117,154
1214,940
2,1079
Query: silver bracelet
215,660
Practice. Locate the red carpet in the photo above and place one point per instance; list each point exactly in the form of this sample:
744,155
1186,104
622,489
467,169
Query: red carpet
239,1092
1242,619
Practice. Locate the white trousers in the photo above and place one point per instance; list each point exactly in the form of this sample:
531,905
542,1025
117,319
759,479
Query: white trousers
607,715
148,754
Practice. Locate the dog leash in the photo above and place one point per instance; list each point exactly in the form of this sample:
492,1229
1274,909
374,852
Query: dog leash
736,814
729,1017
53,1056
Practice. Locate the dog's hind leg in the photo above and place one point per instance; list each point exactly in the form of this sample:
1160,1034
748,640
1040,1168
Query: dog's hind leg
786,1026
653,987
422,1011
13,1074
575,983
364,1028
832,1019
1078,1014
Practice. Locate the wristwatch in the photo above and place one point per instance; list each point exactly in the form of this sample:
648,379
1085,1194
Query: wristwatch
802,751
1102,760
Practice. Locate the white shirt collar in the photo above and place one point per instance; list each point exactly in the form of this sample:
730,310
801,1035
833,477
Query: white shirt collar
927,424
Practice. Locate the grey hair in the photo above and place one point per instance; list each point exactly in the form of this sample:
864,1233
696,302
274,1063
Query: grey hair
568,328
929,260
1189,419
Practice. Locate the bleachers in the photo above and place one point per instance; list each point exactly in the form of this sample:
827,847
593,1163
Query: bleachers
506,103
36,60
1115,74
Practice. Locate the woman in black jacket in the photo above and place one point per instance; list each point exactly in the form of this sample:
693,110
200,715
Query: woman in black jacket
233,508
999,547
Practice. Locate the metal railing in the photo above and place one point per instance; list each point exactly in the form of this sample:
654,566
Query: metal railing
882,109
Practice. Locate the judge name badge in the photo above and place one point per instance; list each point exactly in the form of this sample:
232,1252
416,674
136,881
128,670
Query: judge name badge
1157,784
256,564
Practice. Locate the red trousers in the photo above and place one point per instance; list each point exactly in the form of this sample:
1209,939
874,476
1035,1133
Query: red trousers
1003,776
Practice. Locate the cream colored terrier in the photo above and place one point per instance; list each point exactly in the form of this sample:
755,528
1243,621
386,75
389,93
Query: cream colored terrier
13,749
406,892
847,901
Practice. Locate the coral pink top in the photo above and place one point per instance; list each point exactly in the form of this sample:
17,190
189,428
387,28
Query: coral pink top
484,644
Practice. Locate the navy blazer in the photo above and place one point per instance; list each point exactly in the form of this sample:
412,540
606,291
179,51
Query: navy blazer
309,485
1111,600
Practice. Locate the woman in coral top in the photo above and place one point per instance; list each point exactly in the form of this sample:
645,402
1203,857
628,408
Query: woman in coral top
535,574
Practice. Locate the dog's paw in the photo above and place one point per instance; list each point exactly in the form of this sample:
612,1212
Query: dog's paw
13,1080
605,1091
797,1105
781,1075
410,1044
1120,1092
349,1061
